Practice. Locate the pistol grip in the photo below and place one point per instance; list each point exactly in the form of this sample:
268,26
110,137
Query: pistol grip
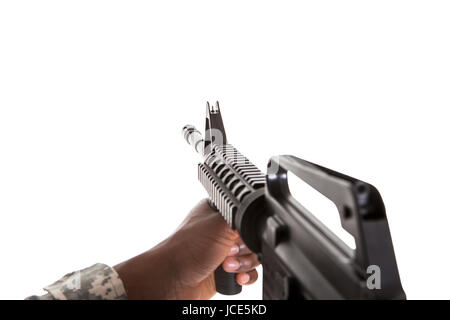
226,282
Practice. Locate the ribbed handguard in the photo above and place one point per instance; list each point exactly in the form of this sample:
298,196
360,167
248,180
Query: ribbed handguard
229,178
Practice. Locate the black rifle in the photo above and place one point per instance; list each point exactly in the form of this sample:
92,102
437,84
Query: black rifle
301,258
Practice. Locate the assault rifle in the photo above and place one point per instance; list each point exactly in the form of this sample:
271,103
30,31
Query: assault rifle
301,257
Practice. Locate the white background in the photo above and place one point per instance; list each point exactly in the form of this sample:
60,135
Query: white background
93,96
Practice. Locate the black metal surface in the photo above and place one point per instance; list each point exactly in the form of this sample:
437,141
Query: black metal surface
301,258
225,282
214,129
227,176
311,261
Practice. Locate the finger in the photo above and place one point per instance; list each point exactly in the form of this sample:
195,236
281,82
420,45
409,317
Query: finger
241,263
239,249
247,278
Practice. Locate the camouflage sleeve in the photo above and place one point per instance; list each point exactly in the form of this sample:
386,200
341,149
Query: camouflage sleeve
98,282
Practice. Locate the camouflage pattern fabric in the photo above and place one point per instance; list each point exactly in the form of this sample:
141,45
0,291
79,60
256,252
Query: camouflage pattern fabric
98,282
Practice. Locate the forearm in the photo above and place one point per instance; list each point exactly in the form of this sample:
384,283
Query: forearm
97,282
150,275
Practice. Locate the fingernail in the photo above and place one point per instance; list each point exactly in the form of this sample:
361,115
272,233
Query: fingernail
245,278
233,264
234,250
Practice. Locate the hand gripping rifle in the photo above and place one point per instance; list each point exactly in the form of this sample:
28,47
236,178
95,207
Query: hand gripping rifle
301,258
